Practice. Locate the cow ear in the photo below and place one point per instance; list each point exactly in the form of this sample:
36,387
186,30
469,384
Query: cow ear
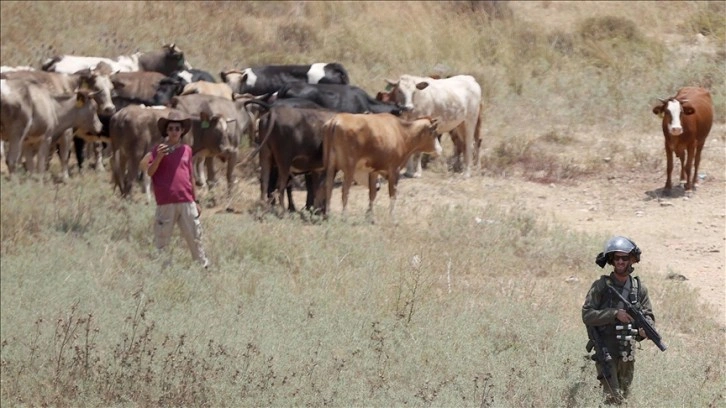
688,110
204,117
117,84
658,110
223,75
422,85
81,98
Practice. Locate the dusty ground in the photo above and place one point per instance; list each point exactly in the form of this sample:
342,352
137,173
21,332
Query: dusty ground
679,235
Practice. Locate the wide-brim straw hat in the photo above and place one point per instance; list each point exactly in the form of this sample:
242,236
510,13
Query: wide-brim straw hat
175,116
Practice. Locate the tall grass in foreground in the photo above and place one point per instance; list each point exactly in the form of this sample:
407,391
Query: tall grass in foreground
460,313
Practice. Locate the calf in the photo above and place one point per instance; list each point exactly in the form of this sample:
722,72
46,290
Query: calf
378,144
687,120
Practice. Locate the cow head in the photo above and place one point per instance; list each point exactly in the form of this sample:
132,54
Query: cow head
86,118
215,132
175,56
402,91
235,79
98,83
168,88
671,110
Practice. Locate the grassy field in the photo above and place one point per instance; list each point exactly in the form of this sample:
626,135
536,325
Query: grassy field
437,311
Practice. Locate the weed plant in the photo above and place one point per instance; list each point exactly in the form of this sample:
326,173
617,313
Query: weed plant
455,306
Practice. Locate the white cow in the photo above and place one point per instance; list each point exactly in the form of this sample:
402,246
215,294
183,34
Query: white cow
454,102
4,69
167,60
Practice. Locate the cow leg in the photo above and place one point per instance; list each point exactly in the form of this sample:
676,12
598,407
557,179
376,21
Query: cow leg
686,170
347,182
669,167
696,163
98,150
372,192
268,175
199,176
288,190
43,152
79,145
681,157
115,170
392,189
231,163
64,145
413,167
283,180
467,129
211,172
311,180
126,178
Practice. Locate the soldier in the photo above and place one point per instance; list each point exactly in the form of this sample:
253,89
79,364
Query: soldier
604,313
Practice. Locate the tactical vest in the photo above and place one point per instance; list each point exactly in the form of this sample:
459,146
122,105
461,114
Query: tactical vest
624,334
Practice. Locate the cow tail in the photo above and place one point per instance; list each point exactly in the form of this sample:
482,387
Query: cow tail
477,136
328,132
270,122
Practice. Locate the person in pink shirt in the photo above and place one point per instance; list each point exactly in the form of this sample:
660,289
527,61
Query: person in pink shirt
169,164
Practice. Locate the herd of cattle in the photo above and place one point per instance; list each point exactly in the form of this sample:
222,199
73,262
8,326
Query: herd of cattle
304,119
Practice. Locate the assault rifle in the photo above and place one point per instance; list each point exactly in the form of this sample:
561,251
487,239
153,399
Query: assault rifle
640,320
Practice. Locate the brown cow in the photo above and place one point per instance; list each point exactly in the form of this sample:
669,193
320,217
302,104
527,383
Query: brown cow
31,114
376,144
291,141
687,120
133,131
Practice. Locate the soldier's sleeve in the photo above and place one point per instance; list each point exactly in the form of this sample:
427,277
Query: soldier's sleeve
592,315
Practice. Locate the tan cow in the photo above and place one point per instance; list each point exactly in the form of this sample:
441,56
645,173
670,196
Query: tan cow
30,113
97,81
238,125
376,144
221,90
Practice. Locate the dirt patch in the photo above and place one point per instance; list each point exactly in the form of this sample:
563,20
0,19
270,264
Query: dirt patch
682,237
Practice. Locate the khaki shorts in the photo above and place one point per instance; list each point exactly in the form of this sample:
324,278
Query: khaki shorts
186,216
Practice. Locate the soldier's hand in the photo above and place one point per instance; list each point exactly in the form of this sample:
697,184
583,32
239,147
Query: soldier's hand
623,316
642,334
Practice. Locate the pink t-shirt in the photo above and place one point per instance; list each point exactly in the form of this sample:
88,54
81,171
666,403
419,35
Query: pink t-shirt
173,178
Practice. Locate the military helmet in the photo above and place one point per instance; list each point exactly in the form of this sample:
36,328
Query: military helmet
617,244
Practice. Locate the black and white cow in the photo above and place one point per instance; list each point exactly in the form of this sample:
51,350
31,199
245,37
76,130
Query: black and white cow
339,98
268,79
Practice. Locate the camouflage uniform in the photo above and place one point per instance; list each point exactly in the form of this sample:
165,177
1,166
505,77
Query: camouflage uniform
599,311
